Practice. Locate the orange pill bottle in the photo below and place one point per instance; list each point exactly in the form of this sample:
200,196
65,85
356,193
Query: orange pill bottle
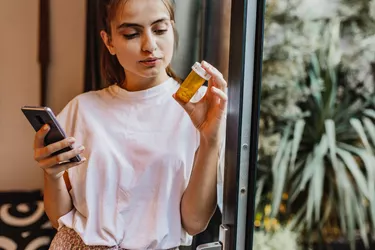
192,83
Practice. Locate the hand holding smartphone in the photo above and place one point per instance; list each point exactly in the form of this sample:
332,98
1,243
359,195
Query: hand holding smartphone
38,117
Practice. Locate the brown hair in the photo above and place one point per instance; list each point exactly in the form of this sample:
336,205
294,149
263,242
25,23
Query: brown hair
111,69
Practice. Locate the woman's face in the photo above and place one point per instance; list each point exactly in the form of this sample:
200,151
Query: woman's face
142,38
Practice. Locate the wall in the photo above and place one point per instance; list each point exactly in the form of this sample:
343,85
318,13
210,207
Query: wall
189,36
19,79
68,20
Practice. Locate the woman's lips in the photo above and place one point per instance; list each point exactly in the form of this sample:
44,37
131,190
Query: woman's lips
150,62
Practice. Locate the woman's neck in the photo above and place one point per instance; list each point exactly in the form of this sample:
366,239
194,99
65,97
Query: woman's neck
137,83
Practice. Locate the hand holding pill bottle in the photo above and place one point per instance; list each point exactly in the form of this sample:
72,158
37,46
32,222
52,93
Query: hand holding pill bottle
192,83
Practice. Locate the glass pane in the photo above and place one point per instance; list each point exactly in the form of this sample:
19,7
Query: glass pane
315,182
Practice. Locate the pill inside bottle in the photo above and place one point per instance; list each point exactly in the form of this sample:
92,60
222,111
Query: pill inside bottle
192,83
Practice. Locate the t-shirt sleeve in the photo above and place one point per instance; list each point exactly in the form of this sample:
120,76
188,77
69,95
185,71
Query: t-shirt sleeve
69,120
68,117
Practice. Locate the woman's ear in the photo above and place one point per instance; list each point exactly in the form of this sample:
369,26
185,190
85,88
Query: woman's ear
108,42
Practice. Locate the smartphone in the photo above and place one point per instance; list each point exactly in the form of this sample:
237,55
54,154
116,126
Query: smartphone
38,117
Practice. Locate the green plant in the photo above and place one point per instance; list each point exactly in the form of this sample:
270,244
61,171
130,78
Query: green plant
294,29
328,122
326,160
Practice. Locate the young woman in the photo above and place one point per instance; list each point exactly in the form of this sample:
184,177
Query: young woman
149,171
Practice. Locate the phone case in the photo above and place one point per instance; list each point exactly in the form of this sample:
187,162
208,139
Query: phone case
38,117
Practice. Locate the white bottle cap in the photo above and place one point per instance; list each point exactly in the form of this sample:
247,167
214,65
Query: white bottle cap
197,67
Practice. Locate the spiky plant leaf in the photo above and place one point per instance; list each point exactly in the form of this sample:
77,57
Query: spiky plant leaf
297,136
369,113
360,216
358,176
331,137
281,177
357,125
370,127
259,189
368,161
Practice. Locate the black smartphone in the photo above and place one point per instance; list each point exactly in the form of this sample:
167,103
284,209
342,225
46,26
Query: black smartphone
38,117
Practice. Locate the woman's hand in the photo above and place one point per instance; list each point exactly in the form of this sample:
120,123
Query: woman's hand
53,166
209,114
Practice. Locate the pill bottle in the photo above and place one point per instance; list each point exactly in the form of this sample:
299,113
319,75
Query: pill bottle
192,83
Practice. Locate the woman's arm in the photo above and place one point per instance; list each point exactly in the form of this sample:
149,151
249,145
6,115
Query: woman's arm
57,200
199,199
208,116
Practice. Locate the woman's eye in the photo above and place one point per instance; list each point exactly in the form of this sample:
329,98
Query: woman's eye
131,36
160,32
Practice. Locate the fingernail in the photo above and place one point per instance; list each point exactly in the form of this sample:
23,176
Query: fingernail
71,140
81,148
46,127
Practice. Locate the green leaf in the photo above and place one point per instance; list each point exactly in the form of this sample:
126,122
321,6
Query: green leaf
352,165
348,214
279,180
361,220
328,205
370,113
331,93
319,153
281,149
297,137
260,185
317,185
315,86
297,167
331,137
310,206
342,186
348,112
370,127
368,161
277,192
357,125
308,171
315,64
350,217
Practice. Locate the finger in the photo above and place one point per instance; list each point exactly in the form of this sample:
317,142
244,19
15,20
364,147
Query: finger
189,106
222,96
41,153
63,157
40,135
64,166
217,76
211,69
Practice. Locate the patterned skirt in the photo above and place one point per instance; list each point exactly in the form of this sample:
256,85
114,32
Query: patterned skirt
67,239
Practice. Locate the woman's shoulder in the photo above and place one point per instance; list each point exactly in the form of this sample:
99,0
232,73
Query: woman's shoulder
82,101
89,97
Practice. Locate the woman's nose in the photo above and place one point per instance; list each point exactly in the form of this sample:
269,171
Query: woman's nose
149,42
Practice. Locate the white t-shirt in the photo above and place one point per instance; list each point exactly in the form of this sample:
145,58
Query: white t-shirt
140,150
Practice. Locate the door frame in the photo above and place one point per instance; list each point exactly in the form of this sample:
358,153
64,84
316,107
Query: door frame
244,85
